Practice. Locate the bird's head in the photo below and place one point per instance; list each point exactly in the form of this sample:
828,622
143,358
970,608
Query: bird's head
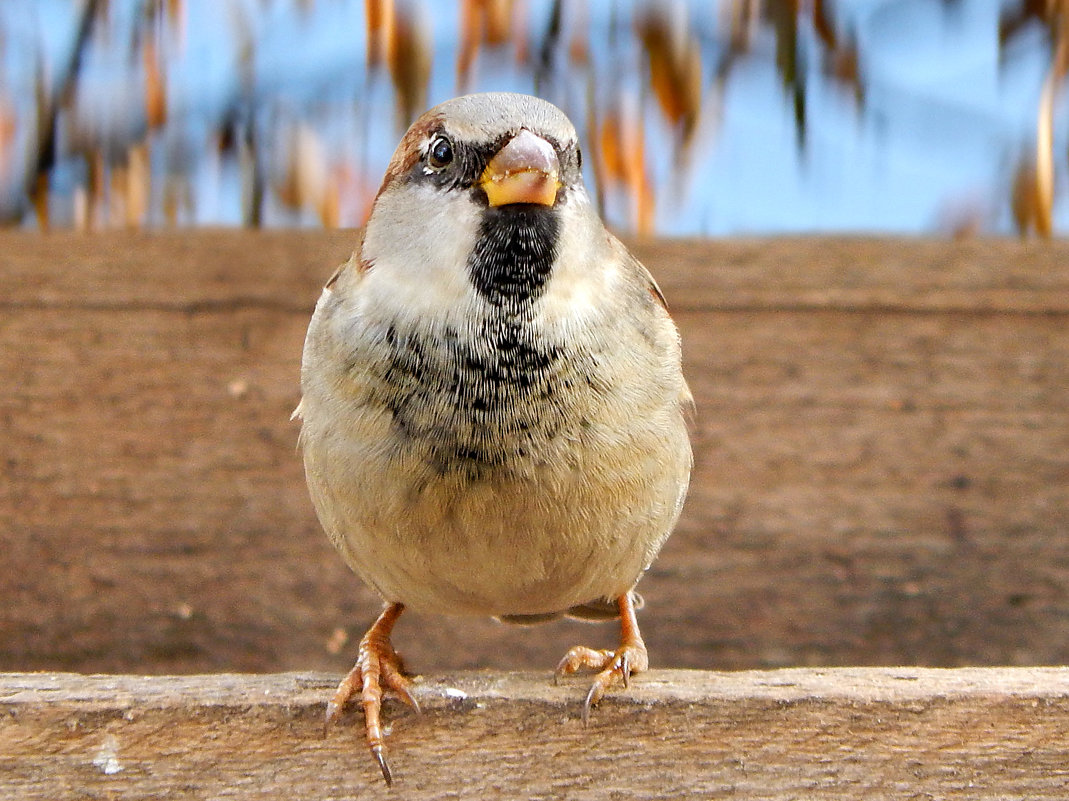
487,185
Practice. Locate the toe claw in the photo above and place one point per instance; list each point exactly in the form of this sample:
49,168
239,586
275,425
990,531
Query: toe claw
592,699
405,693
333,711
379,753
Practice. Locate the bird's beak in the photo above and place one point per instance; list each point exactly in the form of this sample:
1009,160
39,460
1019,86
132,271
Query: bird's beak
525,170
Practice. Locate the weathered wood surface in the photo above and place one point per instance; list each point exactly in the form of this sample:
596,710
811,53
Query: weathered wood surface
786,734
882,460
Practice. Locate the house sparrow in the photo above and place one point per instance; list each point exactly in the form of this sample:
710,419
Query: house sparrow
493,410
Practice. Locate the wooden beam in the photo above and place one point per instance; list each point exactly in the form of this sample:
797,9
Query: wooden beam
882,450
892,733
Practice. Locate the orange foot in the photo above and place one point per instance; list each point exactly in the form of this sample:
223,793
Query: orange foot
611,666
377,667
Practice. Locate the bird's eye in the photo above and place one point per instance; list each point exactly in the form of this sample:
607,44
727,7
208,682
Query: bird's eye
579,157
440,153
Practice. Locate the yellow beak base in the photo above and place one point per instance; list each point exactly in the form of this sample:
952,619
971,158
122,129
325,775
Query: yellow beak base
525,170
530,186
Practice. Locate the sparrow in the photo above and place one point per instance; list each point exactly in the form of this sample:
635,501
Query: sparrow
493,411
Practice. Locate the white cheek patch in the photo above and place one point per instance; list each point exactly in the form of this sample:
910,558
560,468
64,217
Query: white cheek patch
418,241
580,283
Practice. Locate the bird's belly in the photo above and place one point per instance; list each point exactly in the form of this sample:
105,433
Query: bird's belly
559,526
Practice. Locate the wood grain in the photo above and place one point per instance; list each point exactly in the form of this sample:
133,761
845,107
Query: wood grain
816,734
882,460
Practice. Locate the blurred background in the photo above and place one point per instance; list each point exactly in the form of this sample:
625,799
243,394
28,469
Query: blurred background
698,118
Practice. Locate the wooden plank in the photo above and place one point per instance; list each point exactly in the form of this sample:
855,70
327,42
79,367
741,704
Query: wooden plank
915,276
205,269
882,460
800,733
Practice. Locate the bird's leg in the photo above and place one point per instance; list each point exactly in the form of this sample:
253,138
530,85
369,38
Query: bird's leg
612,666
377,668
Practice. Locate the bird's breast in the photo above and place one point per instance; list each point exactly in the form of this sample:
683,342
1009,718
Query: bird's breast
474,401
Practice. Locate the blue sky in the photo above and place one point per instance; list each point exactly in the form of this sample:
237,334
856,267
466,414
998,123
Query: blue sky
942,125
